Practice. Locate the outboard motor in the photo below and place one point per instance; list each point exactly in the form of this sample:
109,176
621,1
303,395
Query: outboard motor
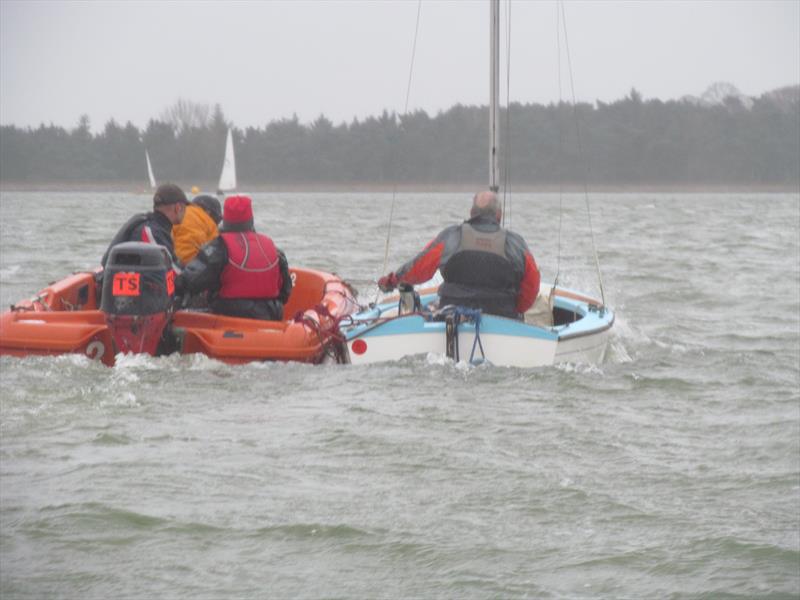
138,289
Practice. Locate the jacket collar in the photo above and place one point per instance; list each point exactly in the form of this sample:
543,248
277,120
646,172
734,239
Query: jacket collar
234,227
162,219
484,221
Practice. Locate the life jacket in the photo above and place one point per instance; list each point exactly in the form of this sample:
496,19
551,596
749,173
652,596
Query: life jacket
480,274
253,269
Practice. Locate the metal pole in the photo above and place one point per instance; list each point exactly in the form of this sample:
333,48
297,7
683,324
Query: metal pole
494,93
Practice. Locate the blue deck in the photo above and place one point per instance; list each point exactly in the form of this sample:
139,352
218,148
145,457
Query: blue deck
371,322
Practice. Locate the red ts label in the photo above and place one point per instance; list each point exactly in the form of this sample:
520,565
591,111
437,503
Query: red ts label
126,284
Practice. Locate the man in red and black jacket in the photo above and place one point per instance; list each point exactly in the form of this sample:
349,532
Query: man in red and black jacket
169,206
483,265
246,275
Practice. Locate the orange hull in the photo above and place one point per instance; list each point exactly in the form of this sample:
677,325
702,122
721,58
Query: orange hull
64,319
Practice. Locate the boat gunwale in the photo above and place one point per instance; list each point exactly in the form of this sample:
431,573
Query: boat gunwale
574,301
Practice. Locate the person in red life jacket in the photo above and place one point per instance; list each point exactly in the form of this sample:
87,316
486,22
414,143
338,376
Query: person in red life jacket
169,206
198,227
483,265
245,274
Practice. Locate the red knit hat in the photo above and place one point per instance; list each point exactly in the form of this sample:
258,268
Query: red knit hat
238,209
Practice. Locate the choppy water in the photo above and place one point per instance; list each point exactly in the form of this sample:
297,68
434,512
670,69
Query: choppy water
671,470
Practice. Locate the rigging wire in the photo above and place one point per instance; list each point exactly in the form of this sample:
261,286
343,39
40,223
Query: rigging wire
508,120
560,146
580,153
405,111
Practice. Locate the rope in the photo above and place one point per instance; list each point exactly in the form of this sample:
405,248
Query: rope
350,294
476,316
460,314
560,150
43,303
580,153
405,111
333,332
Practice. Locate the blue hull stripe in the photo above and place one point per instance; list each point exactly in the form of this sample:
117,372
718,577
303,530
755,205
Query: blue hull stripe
590,321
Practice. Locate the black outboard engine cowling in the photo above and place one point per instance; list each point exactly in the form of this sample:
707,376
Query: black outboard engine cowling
138,290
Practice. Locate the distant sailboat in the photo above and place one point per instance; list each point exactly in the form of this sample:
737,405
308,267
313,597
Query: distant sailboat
150,170
227,179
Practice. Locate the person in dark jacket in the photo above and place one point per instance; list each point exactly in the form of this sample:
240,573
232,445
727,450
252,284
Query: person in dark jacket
245,274
483,265
169,206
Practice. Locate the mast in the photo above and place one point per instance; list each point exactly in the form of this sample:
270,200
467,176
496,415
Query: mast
494,92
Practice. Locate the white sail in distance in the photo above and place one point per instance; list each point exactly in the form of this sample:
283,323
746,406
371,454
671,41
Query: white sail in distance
150,170
227,179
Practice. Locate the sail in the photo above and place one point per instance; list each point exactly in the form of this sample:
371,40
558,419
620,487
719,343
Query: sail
227,179
150,170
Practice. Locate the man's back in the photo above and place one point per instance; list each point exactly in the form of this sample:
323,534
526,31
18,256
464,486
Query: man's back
481,272
483,265
150,228
243,271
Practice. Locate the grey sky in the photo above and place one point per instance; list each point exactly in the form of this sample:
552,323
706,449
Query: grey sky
267,60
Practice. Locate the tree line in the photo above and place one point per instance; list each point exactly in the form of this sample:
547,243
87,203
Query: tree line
627,142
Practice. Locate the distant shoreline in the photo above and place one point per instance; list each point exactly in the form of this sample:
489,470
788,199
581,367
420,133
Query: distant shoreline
382,188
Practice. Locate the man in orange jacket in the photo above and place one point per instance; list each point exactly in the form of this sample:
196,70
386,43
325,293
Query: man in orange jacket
199,226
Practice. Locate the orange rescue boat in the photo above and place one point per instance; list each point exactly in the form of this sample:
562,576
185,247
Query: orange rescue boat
64,318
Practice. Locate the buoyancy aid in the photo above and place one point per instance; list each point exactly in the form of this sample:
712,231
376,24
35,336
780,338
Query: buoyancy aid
252,270
480,274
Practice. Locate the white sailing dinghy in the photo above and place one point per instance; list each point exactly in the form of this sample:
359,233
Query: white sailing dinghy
150,170
227,179
564,326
